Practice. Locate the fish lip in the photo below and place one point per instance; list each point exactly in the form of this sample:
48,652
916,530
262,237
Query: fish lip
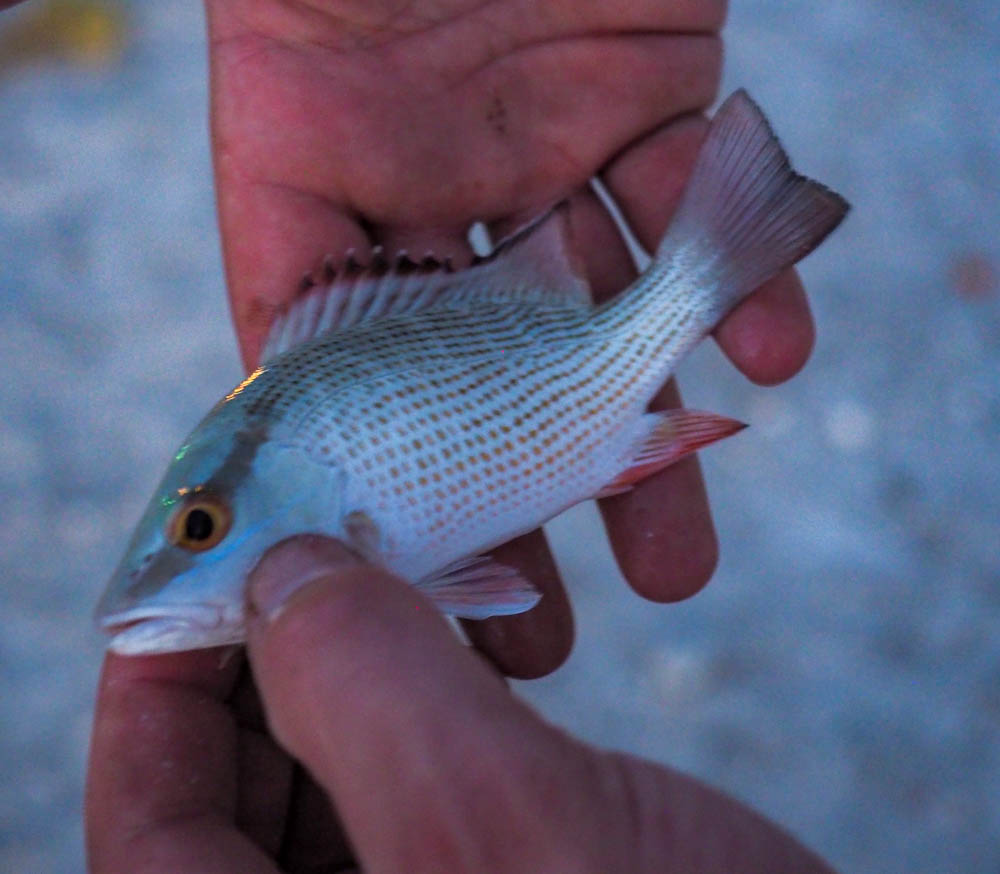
152,629
205,616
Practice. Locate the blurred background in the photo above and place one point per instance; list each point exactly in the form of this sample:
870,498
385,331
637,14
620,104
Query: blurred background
842,671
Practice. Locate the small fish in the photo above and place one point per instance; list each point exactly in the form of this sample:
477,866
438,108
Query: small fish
424,416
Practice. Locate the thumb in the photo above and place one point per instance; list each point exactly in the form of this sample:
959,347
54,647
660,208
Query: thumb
431,763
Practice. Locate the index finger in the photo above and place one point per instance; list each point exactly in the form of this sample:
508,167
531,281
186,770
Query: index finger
161,786
661,531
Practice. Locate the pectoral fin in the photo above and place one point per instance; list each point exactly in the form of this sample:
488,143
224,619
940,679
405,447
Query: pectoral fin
476,588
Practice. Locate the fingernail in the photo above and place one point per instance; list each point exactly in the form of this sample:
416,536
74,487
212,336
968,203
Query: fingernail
289,567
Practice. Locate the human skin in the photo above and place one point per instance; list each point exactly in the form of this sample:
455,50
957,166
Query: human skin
338,125
429,761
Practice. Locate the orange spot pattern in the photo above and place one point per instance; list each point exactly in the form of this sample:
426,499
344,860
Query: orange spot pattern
466,426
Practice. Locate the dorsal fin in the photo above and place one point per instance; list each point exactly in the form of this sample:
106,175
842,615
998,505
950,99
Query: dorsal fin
536,263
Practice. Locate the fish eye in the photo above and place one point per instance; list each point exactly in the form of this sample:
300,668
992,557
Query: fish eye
199,523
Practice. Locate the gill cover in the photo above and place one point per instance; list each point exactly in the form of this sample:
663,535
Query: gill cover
224,500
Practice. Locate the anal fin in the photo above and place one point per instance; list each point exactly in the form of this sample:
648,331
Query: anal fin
671,435
477,588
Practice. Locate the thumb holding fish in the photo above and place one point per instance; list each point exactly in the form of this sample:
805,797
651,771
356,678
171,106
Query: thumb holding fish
423,750
431,763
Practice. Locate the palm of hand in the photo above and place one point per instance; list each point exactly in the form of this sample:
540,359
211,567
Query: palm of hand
333,129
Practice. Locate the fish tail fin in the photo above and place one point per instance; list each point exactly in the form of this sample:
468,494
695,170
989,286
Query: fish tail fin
744,200
746,215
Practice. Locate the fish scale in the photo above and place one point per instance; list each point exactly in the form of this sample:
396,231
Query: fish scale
457,436
424,416
466,475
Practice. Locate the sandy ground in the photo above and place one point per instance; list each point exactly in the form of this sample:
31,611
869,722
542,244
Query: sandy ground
842,672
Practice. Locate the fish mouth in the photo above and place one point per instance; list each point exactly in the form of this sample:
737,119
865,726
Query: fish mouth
166,628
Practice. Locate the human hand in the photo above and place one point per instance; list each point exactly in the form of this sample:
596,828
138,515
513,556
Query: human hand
430,763
340,125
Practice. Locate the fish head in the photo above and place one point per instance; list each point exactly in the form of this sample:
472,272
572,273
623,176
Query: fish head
224,500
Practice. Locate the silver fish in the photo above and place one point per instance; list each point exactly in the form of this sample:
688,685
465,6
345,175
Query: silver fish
424,416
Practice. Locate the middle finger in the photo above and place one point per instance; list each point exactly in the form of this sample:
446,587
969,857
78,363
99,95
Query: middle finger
525,645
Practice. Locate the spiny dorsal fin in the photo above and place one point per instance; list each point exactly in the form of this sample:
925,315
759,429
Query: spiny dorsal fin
536,263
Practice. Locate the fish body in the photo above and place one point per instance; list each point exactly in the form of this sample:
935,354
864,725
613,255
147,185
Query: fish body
424,416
